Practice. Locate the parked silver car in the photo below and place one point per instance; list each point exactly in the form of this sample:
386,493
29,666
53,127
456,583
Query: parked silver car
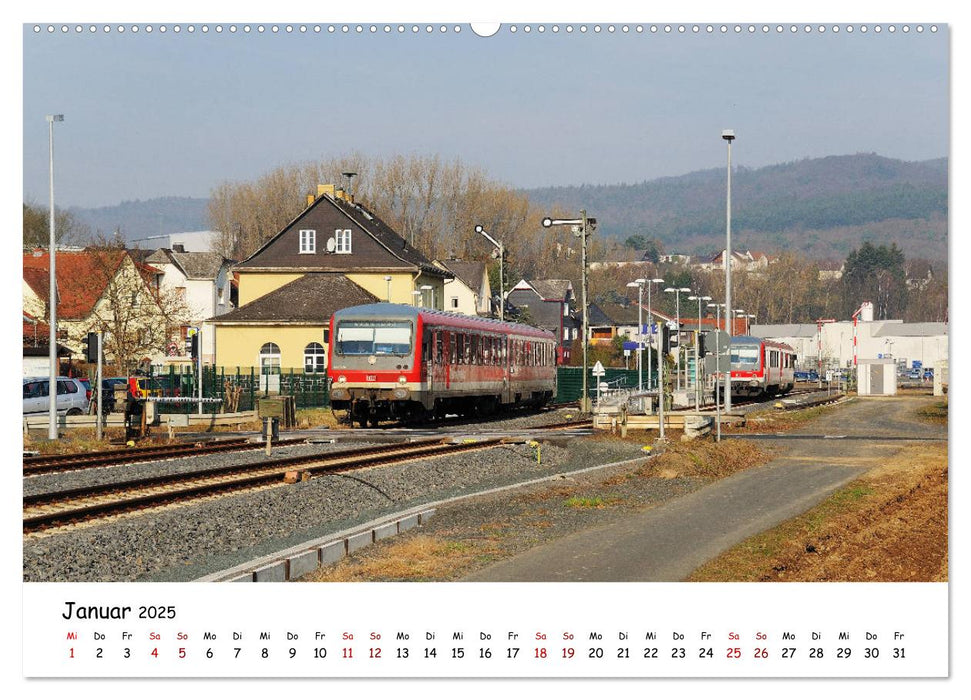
72,396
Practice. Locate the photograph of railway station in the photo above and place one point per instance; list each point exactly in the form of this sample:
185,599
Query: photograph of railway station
444,304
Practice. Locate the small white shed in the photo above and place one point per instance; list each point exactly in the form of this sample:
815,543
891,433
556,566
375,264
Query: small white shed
877,377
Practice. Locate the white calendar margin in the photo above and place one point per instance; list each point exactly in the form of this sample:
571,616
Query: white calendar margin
917,611
699,11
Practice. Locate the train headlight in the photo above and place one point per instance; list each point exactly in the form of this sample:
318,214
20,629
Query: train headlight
400,393
341,379
402,379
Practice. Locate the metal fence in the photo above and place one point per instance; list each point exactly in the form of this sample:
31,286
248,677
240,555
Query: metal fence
309,390
569,381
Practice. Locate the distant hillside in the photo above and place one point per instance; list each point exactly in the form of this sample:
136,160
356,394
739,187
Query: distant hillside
822,206
150,217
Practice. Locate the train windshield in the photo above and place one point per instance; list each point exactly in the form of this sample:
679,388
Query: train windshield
374,338
745,356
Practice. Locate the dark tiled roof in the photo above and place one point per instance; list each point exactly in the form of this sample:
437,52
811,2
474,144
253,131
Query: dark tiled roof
375,245
608,313
195,266
312,298
552,290
469,272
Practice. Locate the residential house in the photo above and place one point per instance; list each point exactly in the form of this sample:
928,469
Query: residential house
102,289
546,304
334,254
748,260
202,283
37,361
469,292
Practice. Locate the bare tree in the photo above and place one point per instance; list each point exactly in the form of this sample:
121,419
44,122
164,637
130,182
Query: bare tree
137,317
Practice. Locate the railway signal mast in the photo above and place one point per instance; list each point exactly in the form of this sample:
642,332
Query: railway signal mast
581,228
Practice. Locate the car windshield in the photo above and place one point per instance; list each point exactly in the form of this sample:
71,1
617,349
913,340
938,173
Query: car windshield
374,338
745,356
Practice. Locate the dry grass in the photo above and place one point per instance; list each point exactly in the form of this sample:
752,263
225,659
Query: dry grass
935,413
890,525
714,460
775,420
418,558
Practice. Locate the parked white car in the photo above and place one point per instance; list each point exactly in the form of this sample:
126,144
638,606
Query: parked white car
72,396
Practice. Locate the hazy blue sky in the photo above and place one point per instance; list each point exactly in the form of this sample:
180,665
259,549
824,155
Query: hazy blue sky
175,114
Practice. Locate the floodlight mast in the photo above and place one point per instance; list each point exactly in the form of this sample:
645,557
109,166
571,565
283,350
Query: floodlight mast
502,254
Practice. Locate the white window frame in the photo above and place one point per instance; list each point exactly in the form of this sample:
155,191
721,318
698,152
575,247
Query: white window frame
308,241
454,302
342,240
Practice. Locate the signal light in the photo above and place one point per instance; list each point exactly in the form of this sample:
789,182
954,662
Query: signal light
90,344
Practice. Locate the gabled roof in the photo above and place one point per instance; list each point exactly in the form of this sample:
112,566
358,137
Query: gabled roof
195,266
610,313
82,277
469,272
310,299
547,290
381,233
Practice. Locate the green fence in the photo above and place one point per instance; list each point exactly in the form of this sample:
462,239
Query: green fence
569,381
308,390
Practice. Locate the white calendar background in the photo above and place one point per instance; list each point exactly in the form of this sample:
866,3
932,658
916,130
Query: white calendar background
487,630
919,611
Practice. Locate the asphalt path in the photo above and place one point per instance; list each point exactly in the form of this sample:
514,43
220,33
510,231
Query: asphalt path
667,543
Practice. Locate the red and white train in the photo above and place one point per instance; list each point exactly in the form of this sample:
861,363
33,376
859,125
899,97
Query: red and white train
392,361
761,367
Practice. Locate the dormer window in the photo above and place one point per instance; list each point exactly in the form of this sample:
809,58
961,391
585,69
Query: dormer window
342,238
308,241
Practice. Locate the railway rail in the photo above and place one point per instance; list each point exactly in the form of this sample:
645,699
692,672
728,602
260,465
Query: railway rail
70,462
45,511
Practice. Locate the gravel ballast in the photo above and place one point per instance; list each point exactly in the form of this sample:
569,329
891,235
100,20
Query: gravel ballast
182,543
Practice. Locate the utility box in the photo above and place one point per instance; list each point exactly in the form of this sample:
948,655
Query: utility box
876,377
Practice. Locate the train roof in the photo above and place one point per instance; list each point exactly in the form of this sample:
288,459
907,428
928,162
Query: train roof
755,340
451,318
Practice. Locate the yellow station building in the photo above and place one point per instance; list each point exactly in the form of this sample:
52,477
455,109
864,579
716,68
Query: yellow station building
333,255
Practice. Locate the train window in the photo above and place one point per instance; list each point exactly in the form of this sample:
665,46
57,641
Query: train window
474,351
460,348
438,347
773,358
453,348
374,338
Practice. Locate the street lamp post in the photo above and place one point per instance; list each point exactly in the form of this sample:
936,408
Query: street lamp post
501,251
52,384
581,228
718,416
677,313
729,136
699,299
650,321
639,283
387,278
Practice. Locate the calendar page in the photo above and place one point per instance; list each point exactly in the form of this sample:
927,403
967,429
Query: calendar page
390,345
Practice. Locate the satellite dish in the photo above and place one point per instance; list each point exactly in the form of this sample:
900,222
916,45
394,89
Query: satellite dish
331,245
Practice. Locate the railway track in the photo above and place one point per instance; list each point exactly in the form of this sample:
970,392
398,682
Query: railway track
70,462
43,512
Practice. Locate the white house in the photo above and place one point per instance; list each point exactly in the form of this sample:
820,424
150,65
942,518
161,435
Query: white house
469,292
203,281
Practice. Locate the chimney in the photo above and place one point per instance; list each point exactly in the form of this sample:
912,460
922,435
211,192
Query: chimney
866,311
178,248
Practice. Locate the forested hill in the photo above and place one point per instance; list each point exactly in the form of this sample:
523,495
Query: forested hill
822,206
138,219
